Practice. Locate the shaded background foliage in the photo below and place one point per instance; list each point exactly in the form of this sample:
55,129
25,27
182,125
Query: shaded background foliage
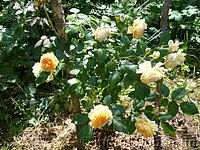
22,104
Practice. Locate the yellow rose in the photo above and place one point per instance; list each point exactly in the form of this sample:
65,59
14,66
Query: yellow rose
137,30
174,59
170,61
150,74
99,116
36,70
156,54
144,66
48,62
173,46
102,33
145,127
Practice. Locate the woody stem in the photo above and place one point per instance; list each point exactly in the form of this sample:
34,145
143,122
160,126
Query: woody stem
157,136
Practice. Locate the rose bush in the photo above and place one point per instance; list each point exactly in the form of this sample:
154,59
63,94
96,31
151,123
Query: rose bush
106,72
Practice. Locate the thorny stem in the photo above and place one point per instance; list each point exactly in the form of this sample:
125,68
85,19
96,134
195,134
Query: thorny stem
77,109
163,25
49,20
157,137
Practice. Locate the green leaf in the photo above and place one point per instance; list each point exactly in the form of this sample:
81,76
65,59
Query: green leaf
118,110
107,100
131,94
141,90
119,125
125,41
32,105
83,77
74,71
74,10
106,19
130,78
149,109
189,108
44,104
79,92
87,105
173,108
7,72
178,93
165,116
114,79
80,119
75,87
85,134
127,66
165,90
101,55
164,102
71,18
164,38
72,29
141,48
41,78
73,81
151,97
92,80
168,129
137,104
32,88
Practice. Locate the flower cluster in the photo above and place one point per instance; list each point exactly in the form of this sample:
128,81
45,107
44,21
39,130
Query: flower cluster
145,127
101,33
137,30
48,63
149,73
176,58
29,7
99,116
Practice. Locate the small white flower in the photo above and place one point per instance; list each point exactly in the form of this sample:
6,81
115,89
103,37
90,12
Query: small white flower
31,8
36,69
156,54
16,6
173,46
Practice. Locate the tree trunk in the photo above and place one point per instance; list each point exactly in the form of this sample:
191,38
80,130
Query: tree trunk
165,13
59,18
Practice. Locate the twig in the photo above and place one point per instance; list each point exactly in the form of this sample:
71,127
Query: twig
49,20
